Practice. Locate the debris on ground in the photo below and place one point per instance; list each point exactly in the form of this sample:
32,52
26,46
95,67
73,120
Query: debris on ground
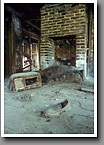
23,81
86,90
24,98
61,73
23,117
56,109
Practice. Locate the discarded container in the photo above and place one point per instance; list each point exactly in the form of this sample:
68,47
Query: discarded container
57,109
24,81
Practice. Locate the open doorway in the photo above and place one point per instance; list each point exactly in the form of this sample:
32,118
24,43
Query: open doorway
30,58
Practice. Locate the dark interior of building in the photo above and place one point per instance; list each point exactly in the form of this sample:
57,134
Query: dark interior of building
49,68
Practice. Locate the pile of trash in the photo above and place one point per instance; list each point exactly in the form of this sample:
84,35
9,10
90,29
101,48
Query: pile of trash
61,73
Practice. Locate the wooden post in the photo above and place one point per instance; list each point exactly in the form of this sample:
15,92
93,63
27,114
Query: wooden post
11,49
30,51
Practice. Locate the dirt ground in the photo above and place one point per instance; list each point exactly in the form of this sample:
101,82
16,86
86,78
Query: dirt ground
23,110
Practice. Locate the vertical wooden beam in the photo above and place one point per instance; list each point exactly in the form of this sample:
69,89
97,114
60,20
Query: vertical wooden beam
39,53
11,49
30,52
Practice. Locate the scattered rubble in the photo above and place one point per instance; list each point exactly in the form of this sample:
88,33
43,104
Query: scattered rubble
61,73
24,117
24,98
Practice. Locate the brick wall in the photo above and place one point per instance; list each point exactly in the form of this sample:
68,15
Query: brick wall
63,20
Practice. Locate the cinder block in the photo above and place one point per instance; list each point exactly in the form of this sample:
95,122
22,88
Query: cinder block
24,81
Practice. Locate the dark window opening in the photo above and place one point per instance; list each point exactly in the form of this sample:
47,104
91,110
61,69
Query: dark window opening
31,81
